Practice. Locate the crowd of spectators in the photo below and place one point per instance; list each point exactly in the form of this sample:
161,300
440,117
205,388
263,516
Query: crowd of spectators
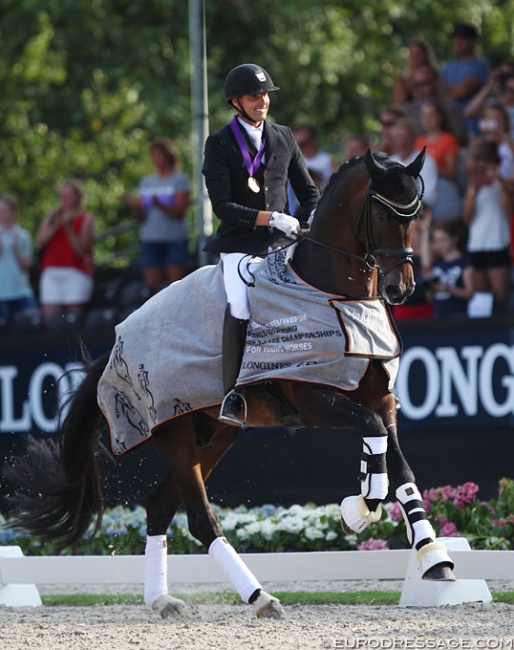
462,112
49,283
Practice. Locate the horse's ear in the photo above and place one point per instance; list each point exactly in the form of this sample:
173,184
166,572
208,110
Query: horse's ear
376,171
417,164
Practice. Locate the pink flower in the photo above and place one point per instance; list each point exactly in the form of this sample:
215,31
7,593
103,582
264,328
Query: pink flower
373,545
439,495
465,494
396,512
449,530
498,522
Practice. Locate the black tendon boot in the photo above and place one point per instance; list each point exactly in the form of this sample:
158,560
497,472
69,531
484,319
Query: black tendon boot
233,407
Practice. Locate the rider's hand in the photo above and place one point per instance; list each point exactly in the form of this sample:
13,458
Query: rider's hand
284,222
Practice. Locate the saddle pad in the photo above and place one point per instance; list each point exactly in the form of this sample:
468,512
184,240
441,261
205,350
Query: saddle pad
297,332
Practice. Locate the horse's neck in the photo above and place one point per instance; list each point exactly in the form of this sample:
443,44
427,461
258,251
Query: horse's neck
333,272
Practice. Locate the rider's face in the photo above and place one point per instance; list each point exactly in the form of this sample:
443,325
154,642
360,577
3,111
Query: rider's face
255,106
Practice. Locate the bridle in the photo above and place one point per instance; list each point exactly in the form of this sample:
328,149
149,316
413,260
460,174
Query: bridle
401,212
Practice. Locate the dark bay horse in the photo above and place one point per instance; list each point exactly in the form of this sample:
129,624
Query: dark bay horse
358,247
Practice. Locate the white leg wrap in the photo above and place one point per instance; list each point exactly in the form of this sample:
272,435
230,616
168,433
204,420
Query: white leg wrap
156,568
417,525
432,554
245,583
374,485
356,515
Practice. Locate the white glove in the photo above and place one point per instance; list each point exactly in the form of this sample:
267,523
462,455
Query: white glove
284,222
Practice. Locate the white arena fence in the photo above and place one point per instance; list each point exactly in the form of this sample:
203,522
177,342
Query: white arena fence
17,571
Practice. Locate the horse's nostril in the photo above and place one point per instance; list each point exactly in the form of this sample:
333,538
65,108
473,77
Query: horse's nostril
393,292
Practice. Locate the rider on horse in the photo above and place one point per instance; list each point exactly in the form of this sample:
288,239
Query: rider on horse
247,165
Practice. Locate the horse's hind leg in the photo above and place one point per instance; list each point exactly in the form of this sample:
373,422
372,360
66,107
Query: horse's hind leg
433,556
178,446
162,504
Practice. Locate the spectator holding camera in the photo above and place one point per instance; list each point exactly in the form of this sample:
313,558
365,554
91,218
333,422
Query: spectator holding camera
487,210
499,89
160,206
494,127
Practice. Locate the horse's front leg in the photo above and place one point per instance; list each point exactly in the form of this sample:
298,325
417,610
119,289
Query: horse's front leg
433,556
331,408
381,457
190,467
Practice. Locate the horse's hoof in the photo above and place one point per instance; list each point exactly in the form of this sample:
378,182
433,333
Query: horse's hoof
356,516
442,572
169,607
269,607
435,562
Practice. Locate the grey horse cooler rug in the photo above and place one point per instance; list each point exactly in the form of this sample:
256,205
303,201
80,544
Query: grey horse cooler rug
166,360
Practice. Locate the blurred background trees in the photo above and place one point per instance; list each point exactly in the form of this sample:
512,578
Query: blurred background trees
86,84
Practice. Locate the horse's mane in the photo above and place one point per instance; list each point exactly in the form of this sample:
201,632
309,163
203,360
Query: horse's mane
340,173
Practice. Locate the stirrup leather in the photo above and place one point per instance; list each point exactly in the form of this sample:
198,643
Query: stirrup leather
233,403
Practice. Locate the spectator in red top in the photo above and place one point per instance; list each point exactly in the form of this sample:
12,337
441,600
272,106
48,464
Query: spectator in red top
65,238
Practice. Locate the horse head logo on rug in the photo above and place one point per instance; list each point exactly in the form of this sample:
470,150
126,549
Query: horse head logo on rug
322,351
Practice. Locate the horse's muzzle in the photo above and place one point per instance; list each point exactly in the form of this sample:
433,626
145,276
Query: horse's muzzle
397,294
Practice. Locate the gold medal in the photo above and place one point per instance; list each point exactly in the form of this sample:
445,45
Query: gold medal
253,185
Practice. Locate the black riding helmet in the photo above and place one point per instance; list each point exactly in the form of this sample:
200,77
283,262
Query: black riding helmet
247,79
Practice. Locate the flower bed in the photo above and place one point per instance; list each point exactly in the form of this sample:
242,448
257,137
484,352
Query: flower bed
452,511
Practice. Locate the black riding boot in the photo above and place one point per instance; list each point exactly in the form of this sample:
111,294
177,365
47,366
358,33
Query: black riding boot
233,407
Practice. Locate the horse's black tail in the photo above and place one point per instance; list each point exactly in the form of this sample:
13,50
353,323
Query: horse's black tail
60,492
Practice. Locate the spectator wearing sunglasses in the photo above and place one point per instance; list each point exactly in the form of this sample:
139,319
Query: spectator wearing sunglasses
389,116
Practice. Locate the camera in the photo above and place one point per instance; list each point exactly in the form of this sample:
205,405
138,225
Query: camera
487,124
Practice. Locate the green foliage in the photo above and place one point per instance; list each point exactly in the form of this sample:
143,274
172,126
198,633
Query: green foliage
86,85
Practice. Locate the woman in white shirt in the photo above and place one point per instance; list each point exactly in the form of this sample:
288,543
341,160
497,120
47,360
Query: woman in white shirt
487,210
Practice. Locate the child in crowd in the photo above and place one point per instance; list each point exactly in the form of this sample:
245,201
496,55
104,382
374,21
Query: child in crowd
451,270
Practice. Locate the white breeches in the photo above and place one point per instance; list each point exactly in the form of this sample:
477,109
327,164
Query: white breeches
236,265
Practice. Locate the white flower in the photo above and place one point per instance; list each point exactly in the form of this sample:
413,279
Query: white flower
291,525
313,533
268,528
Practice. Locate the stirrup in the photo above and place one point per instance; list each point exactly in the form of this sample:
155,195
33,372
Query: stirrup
231,407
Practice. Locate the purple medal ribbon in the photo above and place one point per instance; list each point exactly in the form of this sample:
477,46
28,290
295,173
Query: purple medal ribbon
251,167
